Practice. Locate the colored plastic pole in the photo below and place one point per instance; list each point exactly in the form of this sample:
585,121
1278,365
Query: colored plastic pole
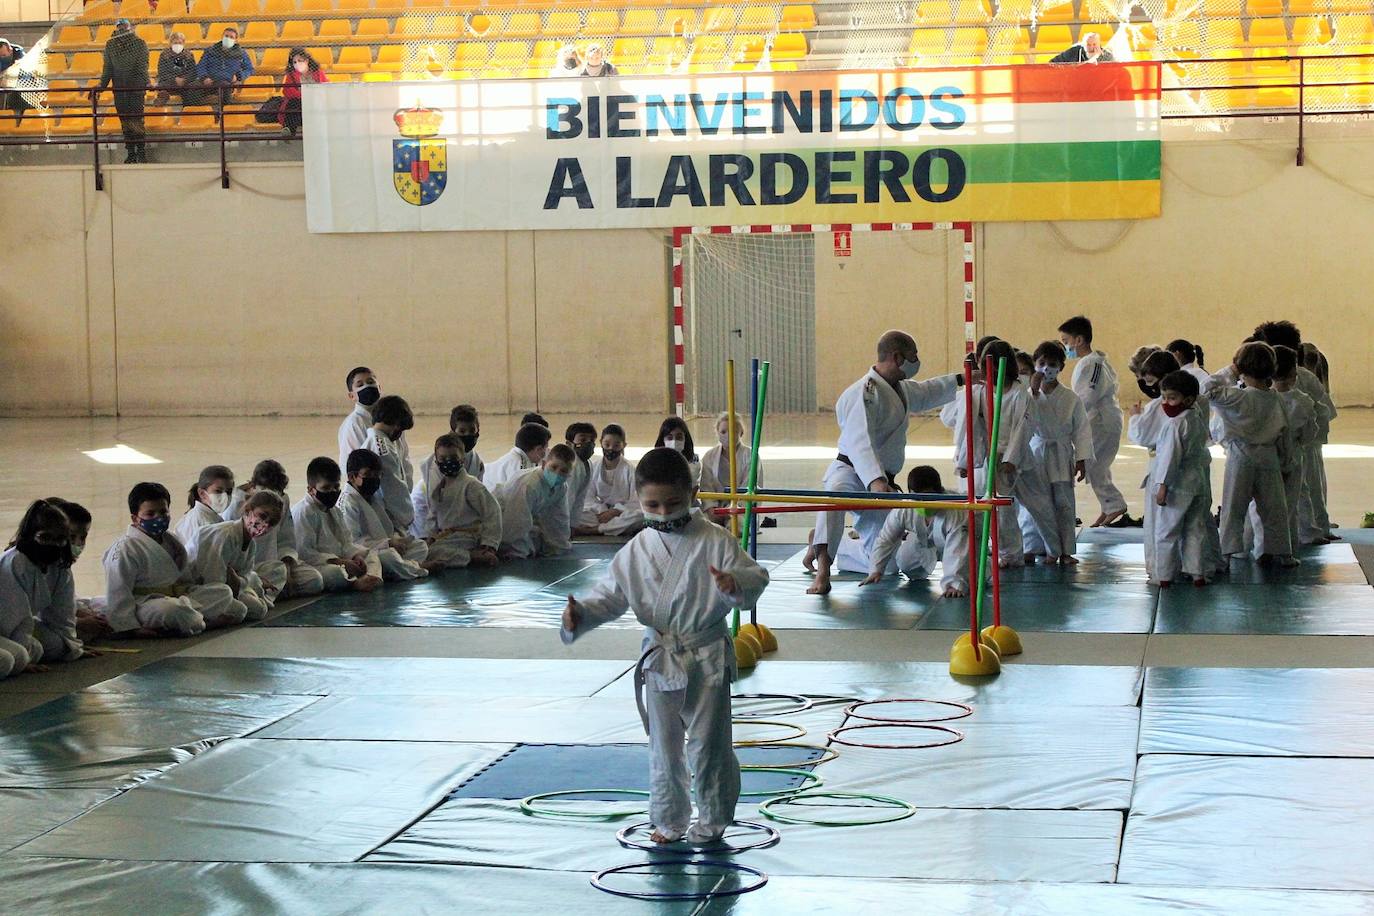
734,487
992,491
747,537
754,472
842,497
972,514
990,482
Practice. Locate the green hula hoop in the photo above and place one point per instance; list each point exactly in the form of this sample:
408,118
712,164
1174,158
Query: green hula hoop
528,807
815,783
903,810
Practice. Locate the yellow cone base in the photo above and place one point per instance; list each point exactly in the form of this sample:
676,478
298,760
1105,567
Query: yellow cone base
753,642
985,638
764,636
745,656
963,663
1008,640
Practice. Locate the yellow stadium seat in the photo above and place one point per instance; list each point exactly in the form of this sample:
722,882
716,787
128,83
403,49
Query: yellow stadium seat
968,42
65,93
159,120
288,7
325,56
758,19
377,77
335,30
1309,32
937,12
193,124
101,9
355,6
1220,9
710,50
1256,8
1268,32
70,37
446,27
194,32
245,122
680,22
296,31
789,46
1015,11
929,43
274,60
354,59
483,26
1051,39
719,19
513,51
153,33
35,124
261,32
389,58
1223,35
471,55
390,4
243,7
1055,11
522,25
628,50
372,30
562,24
602,22
798,17
258,87
137,11
215,31
1142,39
1353,29
88,64
640,22
1299,7
102,35
1009,45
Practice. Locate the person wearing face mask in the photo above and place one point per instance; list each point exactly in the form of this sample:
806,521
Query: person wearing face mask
610,507
1032,545
873,414
464,422
581,438
567,63
149,588
36,584
176,70
227,552
222,69
282,573
680,577
534,508
300,68
126,66
1178,493
1094,381
1061,443
715,464
391,417
63,637
454,512
674,434
364,391
1089,50
531,442
402,556
322,538
207,503
597,64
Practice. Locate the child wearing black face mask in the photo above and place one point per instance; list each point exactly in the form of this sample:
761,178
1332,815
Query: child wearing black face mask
581,438
464,423
322,537
402,556
454,512
391,417
364,391
612,505
36,583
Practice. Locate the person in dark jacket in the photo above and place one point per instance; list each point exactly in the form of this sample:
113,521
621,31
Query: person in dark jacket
10,54
223,66
1088,51
126,66
176,70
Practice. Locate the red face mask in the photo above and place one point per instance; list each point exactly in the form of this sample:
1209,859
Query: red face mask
1173,410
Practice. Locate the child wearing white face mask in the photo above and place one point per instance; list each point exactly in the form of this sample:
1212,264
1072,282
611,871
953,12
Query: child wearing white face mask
715,464
1061,445
207,503
674,434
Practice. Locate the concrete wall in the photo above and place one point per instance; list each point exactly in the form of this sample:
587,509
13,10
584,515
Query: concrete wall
165,294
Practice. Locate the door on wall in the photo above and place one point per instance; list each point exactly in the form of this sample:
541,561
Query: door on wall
747,296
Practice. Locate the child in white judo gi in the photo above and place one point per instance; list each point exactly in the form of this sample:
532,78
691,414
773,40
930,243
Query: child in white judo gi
322,538
581,438
1032,545
611,507
531,443
1300,413
364,391
226,552
455,513
1094,381
1178,497
391,417
402,555
914,540
1253,429
37,594
207,502
148,587
534,508
283,574
1061,444
674,434
464,423
715,464
681,577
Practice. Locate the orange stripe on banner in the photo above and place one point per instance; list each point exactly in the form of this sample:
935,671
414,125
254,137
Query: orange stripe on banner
1086,83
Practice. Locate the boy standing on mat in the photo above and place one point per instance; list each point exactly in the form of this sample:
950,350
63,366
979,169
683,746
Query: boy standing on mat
680,576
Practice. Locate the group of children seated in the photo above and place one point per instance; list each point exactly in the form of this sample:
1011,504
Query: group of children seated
1270,409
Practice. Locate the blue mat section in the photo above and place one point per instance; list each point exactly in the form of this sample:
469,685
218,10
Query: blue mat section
530,769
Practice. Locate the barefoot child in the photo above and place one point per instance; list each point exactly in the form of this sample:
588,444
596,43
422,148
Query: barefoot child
1061,445
227,552
681,578
1177,495
322,537
917,538
455,513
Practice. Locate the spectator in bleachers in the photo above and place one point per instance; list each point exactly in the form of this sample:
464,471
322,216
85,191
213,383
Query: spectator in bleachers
300,68
597,64
568,63
223,66
176,70
1089,50
10,54
126,66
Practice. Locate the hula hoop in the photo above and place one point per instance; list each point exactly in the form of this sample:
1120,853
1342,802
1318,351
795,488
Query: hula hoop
903,810
816,781
802,704
528,807
830,751
771,837
668,895
955,736
754,742
961,711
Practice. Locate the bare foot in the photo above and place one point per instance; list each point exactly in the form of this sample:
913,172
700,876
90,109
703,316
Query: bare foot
1029,558
809,558
1101,520
954,591
433,567
1004,562
366,583
1109,517
660,837
37,669
1068,560
1165,583
822,584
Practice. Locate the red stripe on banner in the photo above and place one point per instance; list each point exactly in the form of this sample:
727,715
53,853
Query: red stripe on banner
1127,82
678,234
801,227
968,271
882,227
679,355
679,394
677,315
922,226
720,230
841,227
677,275
768,228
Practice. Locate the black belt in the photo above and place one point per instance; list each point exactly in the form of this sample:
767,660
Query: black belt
891,478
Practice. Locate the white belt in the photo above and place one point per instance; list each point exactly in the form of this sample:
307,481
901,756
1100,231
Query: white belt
663,657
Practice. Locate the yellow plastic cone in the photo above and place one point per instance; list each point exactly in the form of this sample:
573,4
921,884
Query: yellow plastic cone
1008,640
962,661
745,656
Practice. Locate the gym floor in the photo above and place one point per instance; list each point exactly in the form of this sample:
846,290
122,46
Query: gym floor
1147,752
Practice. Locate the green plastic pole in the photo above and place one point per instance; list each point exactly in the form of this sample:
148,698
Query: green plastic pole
757,443
985,548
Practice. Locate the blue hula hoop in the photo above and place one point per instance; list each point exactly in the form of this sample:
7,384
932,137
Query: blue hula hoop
677,895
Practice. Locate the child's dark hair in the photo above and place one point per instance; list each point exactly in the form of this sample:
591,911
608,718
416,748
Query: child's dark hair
1051,351
1279,333
533,417
266,499
39,515
924,479
450,440
393,410
148,492
982,345
563,452
362,459
579,429
1024,360
208,476
322,470
665,467
268,474
530,436
1181,382
674,425
1315,362
354,373
999,350
1078,326
1257,360
1159,364
613,429
1184,351
463,413
1285,361
76,513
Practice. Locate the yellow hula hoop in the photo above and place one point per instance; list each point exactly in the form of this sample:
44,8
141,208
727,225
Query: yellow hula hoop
755,742
793,764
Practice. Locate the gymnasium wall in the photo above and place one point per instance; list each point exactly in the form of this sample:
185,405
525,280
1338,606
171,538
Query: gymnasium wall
165,294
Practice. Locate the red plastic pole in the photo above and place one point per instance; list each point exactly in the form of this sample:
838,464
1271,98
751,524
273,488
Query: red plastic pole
989,372
972,514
